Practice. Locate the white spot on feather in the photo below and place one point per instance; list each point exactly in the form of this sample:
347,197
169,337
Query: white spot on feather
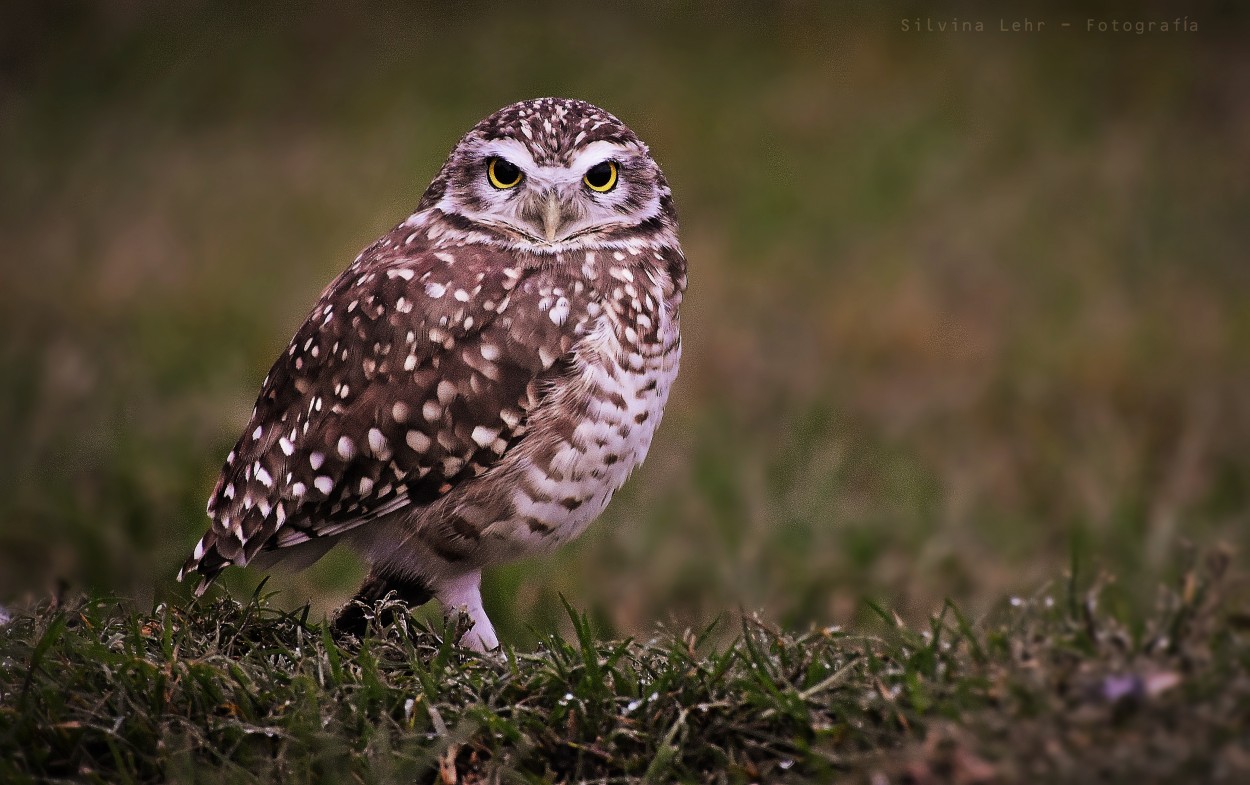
483,436
546,357
446,392
560,311
418,441
346,447
431,410
377,442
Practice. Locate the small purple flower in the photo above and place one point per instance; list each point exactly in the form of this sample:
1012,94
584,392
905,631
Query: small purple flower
1118,688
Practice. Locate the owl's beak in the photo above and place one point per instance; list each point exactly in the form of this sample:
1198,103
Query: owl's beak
553,217
549,215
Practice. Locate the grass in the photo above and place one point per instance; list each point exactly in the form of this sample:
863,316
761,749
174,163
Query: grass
1062,686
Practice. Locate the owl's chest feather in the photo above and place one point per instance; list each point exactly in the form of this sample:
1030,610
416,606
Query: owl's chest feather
599,425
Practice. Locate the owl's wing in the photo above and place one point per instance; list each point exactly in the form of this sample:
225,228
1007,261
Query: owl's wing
412,374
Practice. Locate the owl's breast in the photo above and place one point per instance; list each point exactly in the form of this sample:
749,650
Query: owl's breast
594,429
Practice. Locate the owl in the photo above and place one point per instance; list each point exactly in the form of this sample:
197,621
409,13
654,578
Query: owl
476,385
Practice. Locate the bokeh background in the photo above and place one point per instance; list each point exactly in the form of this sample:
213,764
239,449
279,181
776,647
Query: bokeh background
964,308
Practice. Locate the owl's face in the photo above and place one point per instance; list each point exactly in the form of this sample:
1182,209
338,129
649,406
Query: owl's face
551,175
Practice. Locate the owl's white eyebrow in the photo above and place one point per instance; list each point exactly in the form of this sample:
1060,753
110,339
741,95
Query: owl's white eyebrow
512,151
595,153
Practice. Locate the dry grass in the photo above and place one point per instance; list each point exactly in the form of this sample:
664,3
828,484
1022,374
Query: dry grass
1060,687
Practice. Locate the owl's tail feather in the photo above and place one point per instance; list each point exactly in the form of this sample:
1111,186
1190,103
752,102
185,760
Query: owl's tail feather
205,560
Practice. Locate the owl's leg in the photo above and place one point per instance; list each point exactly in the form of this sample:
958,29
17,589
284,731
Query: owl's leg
464,592
352,619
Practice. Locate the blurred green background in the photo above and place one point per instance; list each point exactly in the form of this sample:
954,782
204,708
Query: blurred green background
961,306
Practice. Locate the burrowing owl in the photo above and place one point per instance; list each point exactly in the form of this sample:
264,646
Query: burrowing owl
480,381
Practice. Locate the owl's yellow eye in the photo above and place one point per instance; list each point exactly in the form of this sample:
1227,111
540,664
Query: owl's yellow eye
601,177
503,174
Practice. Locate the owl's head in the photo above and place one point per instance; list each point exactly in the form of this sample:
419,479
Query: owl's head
553,174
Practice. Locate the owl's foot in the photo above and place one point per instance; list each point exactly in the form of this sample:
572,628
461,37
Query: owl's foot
464,593
352,619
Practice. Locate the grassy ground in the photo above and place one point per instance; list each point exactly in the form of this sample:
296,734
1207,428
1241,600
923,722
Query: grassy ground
1059,687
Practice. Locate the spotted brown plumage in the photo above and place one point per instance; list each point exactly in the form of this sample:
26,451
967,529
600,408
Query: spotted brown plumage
477,384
